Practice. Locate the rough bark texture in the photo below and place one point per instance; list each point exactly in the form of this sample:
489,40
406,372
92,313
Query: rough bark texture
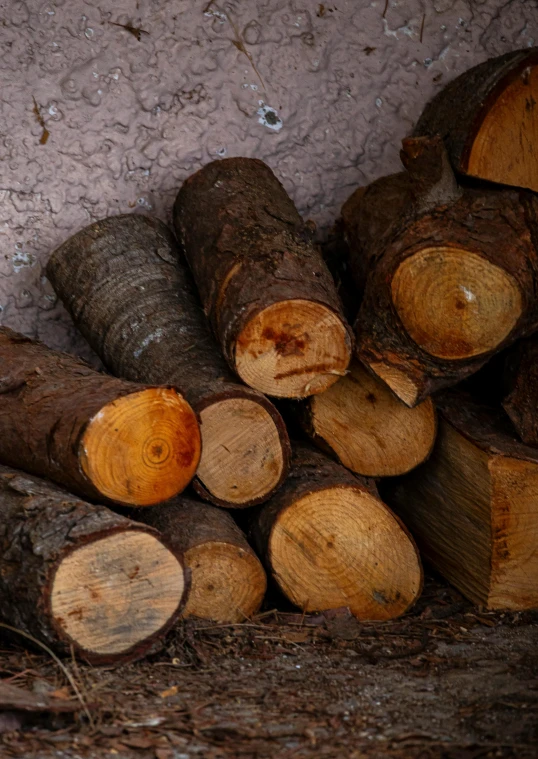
247,246
521,383
396,217
129,292
47,400
40,526
472,506
458,111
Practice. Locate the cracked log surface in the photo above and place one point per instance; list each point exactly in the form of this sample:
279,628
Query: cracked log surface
264,286
75,574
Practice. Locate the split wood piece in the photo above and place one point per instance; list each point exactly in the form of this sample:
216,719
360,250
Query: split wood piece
228,580
269,296
368,428
77,575
132,297
521,383
473,507
329,541
101,437
450,276
488,118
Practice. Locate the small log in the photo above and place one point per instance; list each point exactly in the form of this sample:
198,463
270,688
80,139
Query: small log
488,119
76,575
264,286
228,582
101,437
367,427
473,507
450,275
329,541
521,384
130,294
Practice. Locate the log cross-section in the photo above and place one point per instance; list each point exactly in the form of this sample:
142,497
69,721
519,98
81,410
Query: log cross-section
269,296
101,437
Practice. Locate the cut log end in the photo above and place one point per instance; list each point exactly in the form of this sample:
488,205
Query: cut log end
342,547
242,460
371,431
103,594
142,448
455,304
504,148
400,384
293,349
228,583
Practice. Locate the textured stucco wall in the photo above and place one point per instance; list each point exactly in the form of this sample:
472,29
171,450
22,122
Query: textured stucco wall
324,94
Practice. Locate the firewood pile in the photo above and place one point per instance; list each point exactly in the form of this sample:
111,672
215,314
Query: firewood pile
168,487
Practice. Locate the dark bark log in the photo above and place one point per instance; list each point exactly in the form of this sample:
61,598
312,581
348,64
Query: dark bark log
450,277
131,295
329,541
75,574
487,118
99,436
263,283
521,382
228,580
473,506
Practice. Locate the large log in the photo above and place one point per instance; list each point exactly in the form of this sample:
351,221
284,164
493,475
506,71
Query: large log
228,582
329,541
77,575
521,388
132,297
450,275
101,437
263,283
473,507
366,426
488,119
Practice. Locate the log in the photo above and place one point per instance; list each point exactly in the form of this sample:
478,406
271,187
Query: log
329,541
100,437
268,294
366,426
473,507
488,119
450,275
78,577
228,581
521,387
130,294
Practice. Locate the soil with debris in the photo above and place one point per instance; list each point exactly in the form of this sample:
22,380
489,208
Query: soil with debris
446,680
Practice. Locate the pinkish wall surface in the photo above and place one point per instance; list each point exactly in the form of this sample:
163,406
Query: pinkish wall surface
323,95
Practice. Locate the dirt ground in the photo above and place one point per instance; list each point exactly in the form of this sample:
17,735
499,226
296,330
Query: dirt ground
447,680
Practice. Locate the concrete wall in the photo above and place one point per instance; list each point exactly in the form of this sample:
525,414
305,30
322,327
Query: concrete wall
323,93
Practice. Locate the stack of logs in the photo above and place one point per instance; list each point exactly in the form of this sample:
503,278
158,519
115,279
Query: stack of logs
100,550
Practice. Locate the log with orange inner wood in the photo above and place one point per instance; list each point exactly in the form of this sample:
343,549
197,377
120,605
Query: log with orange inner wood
222,340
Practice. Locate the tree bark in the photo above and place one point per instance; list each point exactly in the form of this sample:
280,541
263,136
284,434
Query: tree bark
101,437
369,430
521,383
228,580
472,507
264,286
487,118
77,575
450,276
329,541
129,292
